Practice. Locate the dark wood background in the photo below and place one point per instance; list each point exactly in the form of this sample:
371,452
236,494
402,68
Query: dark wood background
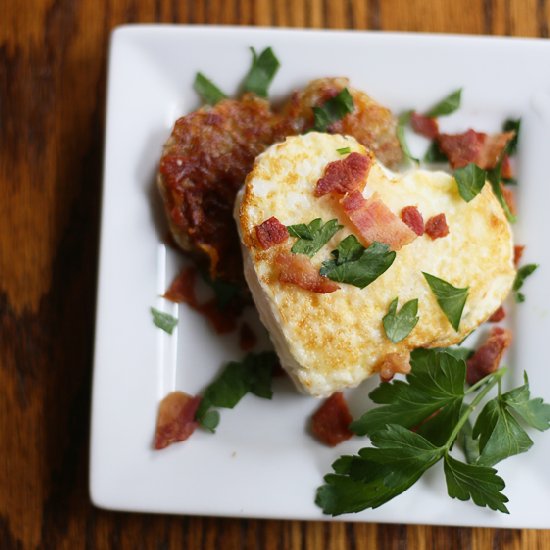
52,90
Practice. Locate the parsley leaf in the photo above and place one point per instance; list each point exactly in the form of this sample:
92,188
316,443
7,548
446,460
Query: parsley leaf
356,265
481,484
494,177
435,386
402,122
522,274
451,299
251,375
512,125
447,105
399,325
534,412
499,433
262,72
470,180
164,321
313,236
344,150
378,474
332,110
208,91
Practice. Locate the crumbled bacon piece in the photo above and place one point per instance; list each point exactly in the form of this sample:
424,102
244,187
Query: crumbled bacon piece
296,269
506,168
182,288
392,364
518,253
424,125
176,418
330,423
344,175
374,221
271,232
436,227
247,338
472,146
497,316
487,357
413,218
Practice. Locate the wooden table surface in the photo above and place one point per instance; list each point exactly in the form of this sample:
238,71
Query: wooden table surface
52,91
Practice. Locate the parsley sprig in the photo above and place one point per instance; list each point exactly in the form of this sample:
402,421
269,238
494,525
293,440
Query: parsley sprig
398,325
251,375
332,110
263,70
208,91
356,265
433,401
313,236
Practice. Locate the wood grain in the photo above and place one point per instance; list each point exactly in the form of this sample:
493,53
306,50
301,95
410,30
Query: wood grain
52,90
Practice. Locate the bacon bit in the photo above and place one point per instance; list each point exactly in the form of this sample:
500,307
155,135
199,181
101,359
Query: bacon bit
436,227
392,364
296,269
330,423
497,316
374,221
247,338
176,418
342,176
271,232
413,219
487,357
509,198
518,253
472,146
182,290
424,125
506,168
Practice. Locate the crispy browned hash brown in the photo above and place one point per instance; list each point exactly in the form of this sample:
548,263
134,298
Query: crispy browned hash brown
210,152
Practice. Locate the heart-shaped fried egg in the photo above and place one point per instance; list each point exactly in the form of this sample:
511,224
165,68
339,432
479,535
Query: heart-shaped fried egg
330,335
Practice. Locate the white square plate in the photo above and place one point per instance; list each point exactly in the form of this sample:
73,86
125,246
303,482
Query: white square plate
261,462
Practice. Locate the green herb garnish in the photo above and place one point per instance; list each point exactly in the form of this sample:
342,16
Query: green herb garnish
470,180
344,150
356,265
399,325
332,110
402,122
164,321
224,291
451,299
251,375
447,105
522,274
313,236
511,125
262,72
494,177
208,91
435,402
